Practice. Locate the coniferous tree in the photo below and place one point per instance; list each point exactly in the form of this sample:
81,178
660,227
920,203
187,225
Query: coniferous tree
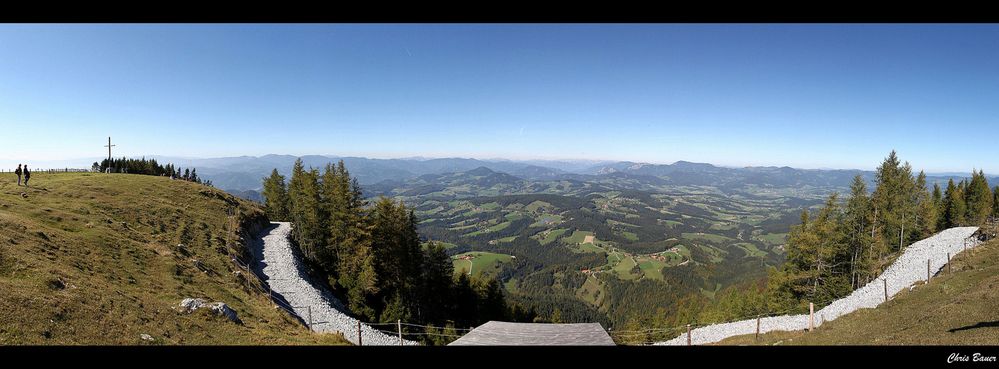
814,251
311,219
995,201
856,225
331,202
373,256
954,206
465,301
387,245
295,195
978,198
276,197
937,196
438,272
306,212
926,210
492,305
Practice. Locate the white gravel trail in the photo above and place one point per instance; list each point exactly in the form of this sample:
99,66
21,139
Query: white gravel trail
281,269
908,269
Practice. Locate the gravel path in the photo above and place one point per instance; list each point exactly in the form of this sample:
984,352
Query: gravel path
278,265
908,269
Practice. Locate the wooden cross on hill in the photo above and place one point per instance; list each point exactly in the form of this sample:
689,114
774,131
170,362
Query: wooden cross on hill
109,146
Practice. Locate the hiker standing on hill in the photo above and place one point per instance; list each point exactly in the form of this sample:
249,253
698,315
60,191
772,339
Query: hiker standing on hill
27,175
18,172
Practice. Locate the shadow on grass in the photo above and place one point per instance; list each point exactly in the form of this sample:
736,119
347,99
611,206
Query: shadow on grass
994,324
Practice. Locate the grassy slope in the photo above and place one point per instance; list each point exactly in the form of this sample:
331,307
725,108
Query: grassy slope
94,259
925,316
484,262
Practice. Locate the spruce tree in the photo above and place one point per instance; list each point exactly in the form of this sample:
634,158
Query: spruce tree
954,206
491,302
926,211
311,220
336,221
978,198
295,198
995,201
937,195
438,271
894,201
856,228
275,197
306,213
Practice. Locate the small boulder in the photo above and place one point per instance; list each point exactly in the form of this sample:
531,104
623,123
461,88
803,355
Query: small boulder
190,304
221,308
146,337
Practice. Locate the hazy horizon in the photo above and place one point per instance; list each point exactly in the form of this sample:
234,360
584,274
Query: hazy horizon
85,162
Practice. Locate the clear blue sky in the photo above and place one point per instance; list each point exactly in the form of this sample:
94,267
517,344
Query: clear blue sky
809,96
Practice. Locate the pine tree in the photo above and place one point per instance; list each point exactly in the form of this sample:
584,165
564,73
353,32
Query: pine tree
438,271
395,309
276,197
387,246
295,198
894,200
926,210
344,203
306,213
466,306
396,249
995,201
978,198
954,206
491,302
937,195
350,238
856,225
331,197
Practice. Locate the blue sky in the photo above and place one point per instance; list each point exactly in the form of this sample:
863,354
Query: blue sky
808,96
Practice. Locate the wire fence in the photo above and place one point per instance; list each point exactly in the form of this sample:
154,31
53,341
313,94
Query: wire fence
630,336
451,332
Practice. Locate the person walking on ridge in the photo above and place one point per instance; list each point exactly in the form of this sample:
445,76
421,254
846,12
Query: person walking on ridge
18,172
27,175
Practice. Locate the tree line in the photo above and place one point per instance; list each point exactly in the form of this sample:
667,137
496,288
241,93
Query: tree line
371,256
843,247
148,167
838,248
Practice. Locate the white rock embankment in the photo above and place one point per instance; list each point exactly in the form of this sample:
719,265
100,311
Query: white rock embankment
908,269
278,264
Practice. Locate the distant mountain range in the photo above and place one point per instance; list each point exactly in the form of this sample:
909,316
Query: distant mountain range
244,173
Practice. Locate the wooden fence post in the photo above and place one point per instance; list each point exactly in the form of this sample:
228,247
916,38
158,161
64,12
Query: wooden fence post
309,309
399,325
811,316
886,289
688,334
757,327
927,271
359,342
